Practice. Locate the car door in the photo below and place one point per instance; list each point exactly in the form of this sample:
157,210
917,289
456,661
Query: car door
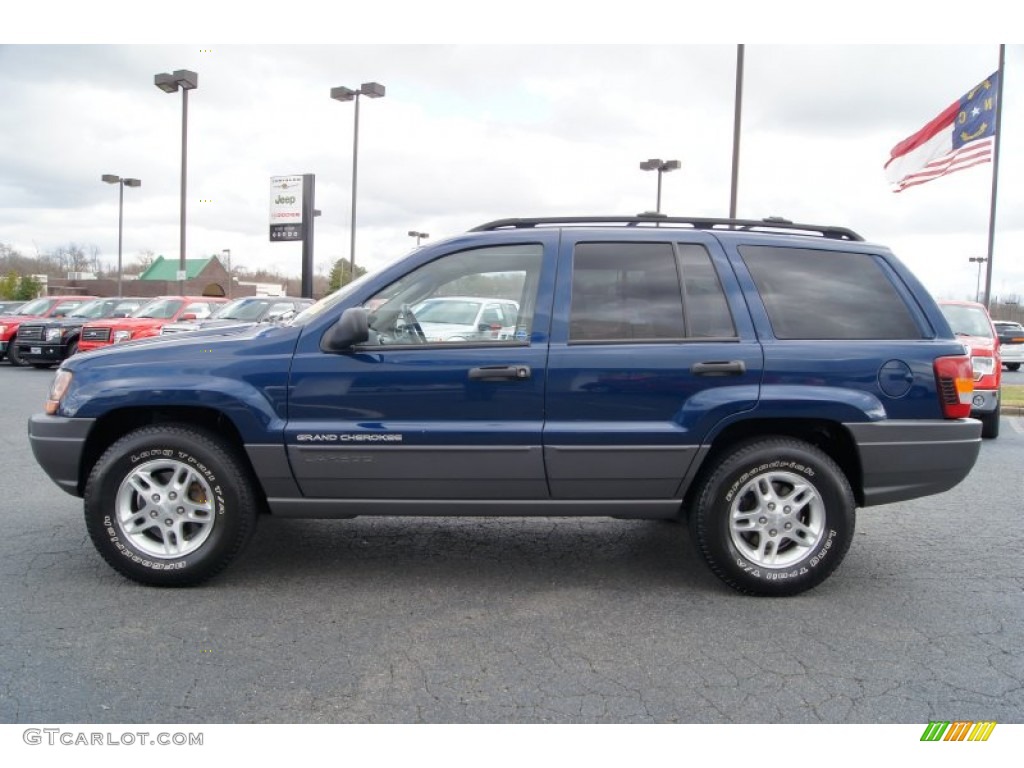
646,357
404,417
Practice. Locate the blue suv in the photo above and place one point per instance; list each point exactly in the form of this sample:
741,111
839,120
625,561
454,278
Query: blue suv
759,379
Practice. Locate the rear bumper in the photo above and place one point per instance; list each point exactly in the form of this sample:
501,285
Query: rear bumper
903,460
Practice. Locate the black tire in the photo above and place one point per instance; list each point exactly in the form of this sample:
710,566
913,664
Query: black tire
755,478
137,534
1012,366
13,354
990,423
72,349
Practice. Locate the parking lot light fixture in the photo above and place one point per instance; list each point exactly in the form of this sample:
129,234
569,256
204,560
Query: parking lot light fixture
418,235
661,166
110,178
977,289
186,80
341,93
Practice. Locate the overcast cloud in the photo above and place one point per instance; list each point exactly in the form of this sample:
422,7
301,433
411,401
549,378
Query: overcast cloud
469,133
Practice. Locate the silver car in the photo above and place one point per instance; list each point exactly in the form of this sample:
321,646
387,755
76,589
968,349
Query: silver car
1011,343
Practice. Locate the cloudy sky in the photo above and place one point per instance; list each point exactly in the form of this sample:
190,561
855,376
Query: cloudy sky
469,133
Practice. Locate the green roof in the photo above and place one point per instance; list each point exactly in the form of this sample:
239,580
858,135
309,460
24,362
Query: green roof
166,269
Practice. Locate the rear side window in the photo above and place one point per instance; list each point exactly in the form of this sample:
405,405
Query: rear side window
819,294
646,292
625,292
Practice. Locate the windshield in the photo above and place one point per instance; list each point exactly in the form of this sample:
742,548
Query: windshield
968,321
242,309
161,309
36,307
314,311
95,308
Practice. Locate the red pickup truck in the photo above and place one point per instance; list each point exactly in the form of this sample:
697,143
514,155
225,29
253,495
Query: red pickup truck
147,321
970,321
47,306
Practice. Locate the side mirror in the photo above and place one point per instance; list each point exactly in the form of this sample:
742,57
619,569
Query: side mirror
352,328
188,316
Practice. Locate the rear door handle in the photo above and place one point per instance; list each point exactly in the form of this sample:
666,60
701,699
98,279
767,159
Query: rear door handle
723,368
500,372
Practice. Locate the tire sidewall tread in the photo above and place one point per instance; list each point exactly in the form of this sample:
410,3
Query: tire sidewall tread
709,520
234,506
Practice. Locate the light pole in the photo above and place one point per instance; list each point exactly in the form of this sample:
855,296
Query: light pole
977,288
418,235
186,80
121,183
661,166
341,93
227,254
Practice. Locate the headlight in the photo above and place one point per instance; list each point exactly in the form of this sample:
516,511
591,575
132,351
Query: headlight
983,366
60,385
53,334
120,336
3,330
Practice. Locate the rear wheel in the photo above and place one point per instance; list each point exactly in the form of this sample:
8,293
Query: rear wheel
170,505
775,517
1012,366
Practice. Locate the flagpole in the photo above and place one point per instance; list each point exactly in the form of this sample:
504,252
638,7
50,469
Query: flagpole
736,131
995,179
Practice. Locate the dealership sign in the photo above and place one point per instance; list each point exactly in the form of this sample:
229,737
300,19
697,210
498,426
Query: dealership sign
286,223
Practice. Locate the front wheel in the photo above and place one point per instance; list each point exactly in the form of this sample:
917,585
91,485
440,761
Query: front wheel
170,505
1012,366
775,517
990,424
14,354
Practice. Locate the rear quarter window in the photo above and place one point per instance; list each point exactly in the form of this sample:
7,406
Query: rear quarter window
823,294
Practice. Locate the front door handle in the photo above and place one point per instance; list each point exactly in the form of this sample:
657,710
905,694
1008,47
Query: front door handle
719,368
500,372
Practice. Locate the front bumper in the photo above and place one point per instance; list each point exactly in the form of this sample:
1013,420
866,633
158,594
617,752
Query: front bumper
47,352
58,443
984,401
903,460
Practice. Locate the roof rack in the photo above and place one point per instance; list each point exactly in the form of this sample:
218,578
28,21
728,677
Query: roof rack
772,223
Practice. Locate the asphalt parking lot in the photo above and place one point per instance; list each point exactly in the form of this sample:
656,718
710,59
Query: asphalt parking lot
490,620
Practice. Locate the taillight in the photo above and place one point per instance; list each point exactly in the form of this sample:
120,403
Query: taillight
955,380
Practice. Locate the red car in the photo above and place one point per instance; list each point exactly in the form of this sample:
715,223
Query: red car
971,322
147,321
47,306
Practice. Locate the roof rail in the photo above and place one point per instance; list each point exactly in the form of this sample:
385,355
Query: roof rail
769,224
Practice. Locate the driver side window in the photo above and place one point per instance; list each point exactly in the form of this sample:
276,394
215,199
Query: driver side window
479,296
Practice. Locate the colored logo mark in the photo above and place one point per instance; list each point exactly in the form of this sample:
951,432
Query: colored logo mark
960,730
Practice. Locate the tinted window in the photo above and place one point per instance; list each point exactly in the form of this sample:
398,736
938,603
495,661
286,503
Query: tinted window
819,294
707,312
625,292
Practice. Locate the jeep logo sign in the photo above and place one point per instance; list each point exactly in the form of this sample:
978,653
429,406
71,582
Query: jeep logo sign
286,208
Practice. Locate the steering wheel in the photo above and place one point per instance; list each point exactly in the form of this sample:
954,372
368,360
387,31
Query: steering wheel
412,325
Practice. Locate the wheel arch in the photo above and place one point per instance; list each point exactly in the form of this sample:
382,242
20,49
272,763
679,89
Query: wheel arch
828,436
117,423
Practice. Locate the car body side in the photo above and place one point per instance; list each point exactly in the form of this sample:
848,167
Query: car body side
315,426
